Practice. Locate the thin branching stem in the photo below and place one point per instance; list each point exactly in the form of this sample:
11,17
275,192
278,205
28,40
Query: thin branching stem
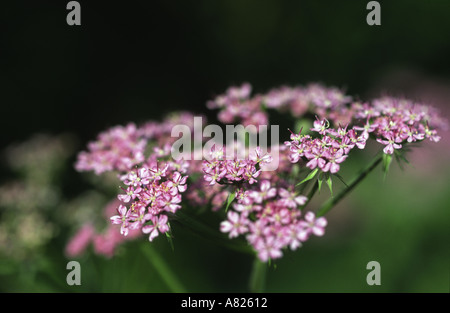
330,203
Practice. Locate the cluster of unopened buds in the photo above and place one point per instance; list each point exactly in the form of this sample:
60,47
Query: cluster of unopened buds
265,207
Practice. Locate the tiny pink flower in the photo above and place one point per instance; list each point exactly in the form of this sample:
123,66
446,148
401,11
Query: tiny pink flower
156,173
169,203
159,224
320,126
390,143
313,225
266,192
214,175
290,199
235,225
124,217
131,194
270,248
259,157
178,181
293,233
137,178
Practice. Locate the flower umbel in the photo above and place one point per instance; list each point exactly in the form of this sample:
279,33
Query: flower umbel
267,208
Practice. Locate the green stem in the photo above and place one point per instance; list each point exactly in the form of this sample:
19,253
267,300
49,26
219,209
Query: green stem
258,276
311,193
209,233
328,205
161,267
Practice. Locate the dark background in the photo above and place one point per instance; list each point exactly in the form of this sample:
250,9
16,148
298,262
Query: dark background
137,60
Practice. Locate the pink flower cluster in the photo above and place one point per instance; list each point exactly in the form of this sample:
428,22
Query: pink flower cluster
316,99
236,105
208,192
332,104
121,148
104,242
270,220
327,151
152,192
269,217
396,121
223,170
117,149
153,185
266,209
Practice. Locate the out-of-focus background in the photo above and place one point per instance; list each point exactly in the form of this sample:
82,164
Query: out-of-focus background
136,61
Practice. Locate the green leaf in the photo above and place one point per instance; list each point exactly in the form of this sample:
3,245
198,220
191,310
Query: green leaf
330,184
341,179
400,158
169,239
309,177
230,199
387,160
320,181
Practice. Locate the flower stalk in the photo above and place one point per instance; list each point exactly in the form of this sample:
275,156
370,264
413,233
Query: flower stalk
163,269
331,202
258,276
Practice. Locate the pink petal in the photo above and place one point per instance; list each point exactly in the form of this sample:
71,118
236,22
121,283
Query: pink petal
122,210
384,142
153,234
361,145
233,217
321,162
163,219
301,200
271,193
321,222
334,168
263,255
388,149
318,231
275,253
310,216
294,244
124,230
124,198
176,176
312,164
341,159
226,226
147,229
283,193
163,228
116,219
265,185
303,235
